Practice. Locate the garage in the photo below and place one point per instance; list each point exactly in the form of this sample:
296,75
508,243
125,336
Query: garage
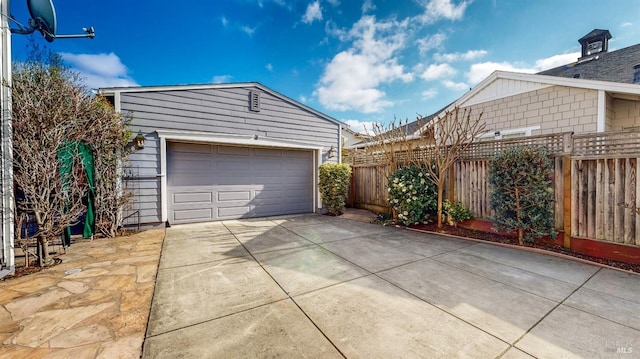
213,152
208,182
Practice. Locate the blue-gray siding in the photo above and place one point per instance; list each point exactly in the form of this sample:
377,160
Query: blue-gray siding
215,110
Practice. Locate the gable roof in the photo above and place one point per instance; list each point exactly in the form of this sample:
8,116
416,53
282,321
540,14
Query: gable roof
113,90
613,66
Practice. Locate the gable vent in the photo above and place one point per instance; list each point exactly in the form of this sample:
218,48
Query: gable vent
254,101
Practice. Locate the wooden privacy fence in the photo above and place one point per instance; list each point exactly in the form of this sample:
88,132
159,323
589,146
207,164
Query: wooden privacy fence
595,182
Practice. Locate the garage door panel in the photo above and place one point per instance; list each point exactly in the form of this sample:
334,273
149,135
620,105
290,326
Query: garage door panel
304,155
234,196
189,148
234,212
268,152
208,182
192,215
232,150
195,197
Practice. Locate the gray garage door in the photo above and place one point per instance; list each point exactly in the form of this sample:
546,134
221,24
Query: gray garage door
209,182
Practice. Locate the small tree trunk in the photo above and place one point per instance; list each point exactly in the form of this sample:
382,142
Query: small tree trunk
43,249
440,192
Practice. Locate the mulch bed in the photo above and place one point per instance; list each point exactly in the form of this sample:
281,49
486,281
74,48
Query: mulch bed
501,238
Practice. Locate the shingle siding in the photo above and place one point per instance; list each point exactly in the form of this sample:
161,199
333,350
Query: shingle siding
561,109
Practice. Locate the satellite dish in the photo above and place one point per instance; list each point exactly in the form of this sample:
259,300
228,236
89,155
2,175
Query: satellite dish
43,18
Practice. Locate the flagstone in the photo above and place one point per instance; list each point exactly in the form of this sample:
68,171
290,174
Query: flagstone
7,295
42,326
127,347
86,351
22,352
89,334
122,270
91,272
116,283
140,259
135,299
94,297
23,307
30,285
129,323
146,273
73,286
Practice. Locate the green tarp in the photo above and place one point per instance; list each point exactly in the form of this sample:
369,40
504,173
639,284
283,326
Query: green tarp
67,156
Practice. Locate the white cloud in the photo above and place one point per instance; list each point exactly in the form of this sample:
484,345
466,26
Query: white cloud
224,21
219,79
334,2
367,6
442,9
248,30
429,93
626,24
556,60
434,72
314,12
460,56
359,126
269,67
480,71
352,79
100,70
303,99
457,86
431,42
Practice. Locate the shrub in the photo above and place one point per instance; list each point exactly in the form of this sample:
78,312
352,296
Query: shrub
522,195
456,212
411,195
334,183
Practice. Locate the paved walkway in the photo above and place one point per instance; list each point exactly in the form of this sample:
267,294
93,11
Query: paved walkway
100,311
322,287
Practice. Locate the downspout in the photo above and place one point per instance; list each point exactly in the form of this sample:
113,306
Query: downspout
7,265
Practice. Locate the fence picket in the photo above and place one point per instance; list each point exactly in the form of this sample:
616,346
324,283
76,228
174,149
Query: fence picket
604,184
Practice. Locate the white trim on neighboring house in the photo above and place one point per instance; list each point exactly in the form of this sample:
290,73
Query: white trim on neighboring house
601,117
497,135
234,140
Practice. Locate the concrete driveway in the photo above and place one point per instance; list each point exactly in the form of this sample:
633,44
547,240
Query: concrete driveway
314,286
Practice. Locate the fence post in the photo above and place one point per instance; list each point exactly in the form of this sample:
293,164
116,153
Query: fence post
566,174
452,184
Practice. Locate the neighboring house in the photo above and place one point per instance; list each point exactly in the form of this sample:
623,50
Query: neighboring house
351,137
599,92
223,151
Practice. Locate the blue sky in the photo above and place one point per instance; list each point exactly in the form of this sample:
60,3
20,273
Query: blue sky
359,61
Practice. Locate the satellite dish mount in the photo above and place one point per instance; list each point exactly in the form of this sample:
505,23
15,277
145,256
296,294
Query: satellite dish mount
43,19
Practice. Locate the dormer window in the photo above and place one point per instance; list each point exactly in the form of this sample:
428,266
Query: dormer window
594,43
594,47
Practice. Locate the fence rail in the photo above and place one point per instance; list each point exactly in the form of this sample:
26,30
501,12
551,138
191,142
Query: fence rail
595,182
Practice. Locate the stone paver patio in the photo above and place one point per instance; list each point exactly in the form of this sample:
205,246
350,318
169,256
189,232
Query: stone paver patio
98,312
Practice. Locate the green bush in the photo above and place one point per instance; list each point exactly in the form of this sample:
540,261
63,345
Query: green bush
456,212
522,194
411,195
334,183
